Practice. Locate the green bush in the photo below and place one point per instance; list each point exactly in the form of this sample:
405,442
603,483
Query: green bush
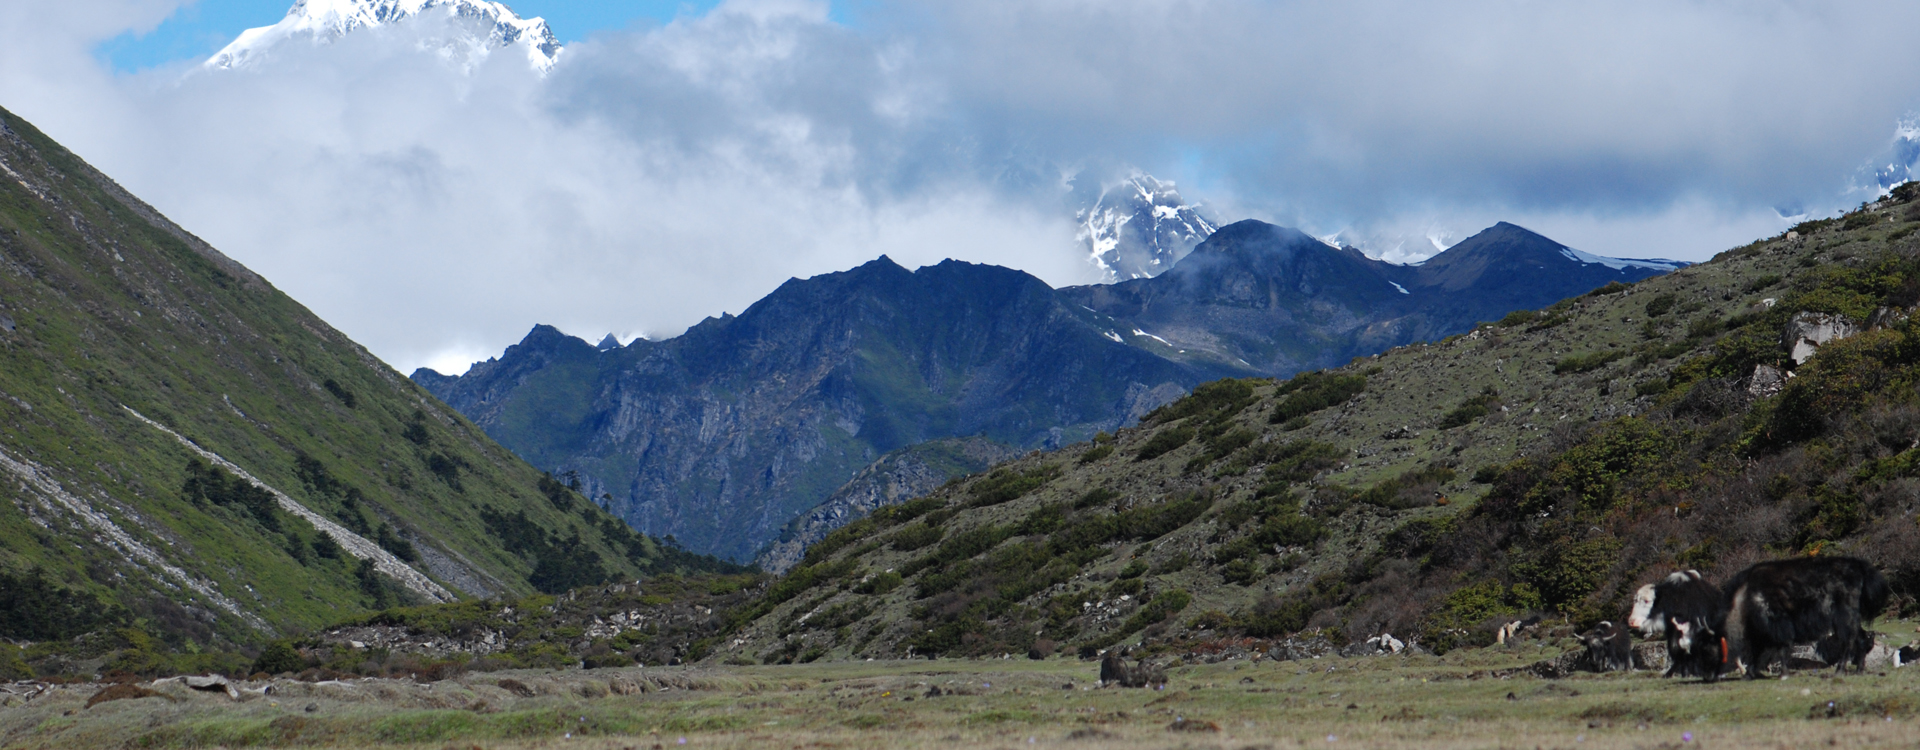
1217,400
1164,442
1096,453
1586,362
1518,318
1095,497
1763,282
1474,408
1004,485
1313,391
1612,287
1661,305
1413,489
915,536
279,657
880,583
34,608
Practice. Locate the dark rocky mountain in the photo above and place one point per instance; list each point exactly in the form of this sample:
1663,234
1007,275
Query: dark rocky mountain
1277,301
186,451
722,435
899,476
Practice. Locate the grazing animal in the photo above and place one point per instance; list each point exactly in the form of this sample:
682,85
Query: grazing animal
1683,596
1512,630
1823,601
1609,648
1114,670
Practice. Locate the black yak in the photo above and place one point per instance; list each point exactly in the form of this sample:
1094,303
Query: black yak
1609,648
1824,601
1683,597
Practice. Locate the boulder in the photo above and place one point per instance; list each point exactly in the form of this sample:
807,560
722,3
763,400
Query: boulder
1808,331
1767,381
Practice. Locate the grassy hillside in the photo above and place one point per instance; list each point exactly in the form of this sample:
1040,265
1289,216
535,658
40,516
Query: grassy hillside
1550,461
123,338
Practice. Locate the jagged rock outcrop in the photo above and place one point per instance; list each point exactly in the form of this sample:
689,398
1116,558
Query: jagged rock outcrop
897,477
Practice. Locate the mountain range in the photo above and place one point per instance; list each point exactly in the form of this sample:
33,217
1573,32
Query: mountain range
1546,464
722,435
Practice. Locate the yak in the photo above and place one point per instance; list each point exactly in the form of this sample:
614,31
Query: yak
1685,611
1609,648
1824,601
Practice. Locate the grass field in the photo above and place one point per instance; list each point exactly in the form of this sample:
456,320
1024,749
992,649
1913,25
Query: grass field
1401,701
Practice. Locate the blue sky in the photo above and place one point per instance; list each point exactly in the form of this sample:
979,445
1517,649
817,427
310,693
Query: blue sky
201,28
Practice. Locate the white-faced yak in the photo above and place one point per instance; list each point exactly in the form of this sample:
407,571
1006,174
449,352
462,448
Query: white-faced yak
1685,611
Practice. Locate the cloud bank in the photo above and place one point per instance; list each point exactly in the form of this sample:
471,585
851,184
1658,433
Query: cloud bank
435,211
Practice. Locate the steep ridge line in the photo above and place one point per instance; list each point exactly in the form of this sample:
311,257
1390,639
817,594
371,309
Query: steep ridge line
35,476
355,544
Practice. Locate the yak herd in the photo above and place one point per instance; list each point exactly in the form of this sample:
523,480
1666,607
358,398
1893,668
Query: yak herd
1755,621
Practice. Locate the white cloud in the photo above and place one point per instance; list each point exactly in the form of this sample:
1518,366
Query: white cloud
669,173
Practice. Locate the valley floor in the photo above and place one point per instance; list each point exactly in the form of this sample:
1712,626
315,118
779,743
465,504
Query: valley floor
1394,701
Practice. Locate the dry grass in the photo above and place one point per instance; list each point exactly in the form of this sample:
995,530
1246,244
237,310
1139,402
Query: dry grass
1419,701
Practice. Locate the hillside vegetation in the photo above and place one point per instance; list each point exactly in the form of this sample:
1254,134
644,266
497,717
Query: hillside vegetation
1547,462
193,462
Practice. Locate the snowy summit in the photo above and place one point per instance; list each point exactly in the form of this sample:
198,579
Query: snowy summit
482,27
1138,227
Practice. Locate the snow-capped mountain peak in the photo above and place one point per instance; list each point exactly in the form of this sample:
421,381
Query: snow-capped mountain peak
1137,227
488,26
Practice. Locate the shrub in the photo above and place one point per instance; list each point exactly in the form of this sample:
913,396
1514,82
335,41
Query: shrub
1096,453
340,392
1860,219
1586,362
1661,305
1763,282
1612,287
1413,489
211,484
1164,442
1217,400
1313,391
1006,484
1474,408
279,657
880,583
915,536
1094,497
1518,318
36,609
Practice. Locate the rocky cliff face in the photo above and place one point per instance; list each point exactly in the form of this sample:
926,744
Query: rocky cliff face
722,435
897,477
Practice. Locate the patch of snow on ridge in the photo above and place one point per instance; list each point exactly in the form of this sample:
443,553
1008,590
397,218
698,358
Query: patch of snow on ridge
1658,264
1396,285
327,20
1138,332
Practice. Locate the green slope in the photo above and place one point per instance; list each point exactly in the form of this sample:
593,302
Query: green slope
1548,462
116,327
